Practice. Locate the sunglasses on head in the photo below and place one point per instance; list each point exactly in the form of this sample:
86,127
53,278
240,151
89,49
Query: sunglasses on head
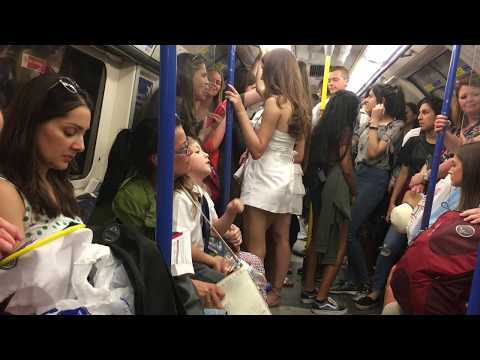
68,83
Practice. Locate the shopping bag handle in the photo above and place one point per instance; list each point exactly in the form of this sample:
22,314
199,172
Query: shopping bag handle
39,243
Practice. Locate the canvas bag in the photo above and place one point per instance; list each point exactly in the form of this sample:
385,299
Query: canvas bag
242,297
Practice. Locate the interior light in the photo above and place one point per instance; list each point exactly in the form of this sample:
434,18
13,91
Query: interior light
267,48
329,49
372,60
380,53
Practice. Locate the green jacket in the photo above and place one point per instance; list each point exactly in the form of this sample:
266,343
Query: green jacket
335,210
135,204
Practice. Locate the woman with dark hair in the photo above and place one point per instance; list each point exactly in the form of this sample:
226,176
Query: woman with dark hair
413,156
386,106
464,128
192,87
330,156
43,133
411,117
411,122
267,188
215,109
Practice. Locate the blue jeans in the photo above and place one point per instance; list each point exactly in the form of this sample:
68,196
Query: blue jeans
372,186
393,247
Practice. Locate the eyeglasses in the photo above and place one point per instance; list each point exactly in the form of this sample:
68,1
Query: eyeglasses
68,84
184,150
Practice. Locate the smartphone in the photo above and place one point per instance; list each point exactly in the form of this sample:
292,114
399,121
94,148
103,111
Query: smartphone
220,109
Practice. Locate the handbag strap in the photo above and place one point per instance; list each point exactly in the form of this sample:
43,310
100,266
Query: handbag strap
235,257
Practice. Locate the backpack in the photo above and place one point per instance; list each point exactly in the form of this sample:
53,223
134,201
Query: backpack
435,273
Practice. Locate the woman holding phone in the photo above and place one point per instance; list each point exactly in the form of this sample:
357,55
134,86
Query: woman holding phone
214,106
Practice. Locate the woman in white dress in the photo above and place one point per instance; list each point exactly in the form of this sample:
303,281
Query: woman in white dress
268,188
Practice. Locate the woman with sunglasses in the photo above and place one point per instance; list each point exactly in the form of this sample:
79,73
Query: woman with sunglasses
43,133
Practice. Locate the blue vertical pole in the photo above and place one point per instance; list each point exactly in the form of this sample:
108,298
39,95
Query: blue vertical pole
227,160
474,301
166,145
439,141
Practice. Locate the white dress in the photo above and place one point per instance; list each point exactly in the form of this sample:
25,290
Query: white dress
269,182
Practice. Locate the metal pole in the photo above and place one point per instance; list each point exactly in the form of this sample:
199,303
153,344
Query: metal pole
166,145
227,161
474,301
439,141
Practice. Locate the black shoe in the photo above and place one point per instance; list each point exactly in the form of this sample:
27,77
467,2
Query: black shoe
308,297
328,307
366,303
345,288
364,290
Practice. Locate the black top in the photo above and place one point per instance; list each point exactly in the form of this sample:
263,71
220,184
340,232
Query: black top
415,153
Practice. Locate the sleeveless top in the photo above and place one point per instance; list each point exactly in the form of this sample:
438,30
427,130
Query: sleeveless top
37,226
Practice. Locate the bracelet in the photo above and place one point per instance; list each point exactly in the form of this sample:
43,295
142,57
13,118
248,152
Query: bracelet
373,127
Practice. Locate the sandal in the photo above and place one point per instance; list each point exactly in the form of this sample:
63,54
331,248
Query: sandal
274,297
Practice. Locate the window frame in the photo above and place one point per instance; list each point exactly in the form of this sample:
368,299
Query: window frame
95,122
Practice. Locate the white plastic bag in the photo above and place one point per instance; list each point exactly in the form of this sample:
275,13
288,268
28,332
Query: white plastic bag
110,292
53,279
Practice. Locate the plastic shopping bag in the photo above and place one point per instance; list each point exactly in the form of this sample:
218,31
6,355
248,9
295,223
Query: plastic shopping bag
69,275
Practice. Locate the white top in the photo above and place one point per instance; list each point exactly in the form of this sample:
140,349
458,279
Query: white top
316,113
186,216
410,134
269,182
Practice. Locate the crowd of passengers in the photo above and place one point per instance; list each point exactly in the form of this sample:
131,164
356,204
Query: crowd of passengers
291,161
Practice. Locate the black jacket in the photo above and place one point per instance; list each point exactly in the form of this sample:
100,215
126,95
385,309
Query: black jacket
155,290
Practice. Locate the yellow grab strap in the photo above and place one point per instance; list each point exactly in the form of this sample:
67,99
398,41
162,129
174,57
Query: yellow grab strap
40,242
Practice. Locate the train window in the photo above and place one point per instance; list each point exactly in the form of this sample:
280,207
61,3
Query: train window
21,63
433,77
428,79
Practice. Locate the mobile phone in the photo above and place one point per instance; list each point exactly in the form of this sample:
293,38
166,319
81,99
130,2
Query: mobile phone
220,109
